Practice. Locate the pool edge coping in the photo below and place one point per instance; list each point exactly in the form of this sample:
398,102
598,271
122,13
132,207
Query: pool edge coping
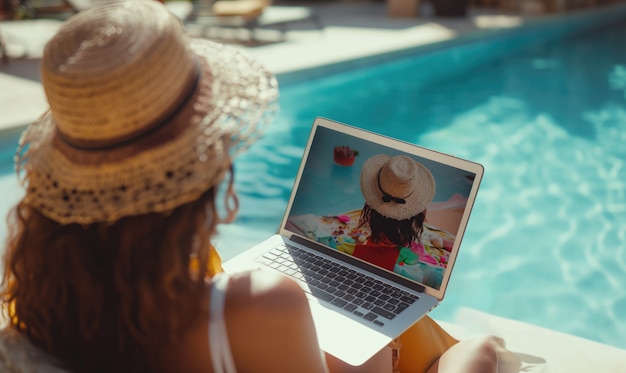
301,75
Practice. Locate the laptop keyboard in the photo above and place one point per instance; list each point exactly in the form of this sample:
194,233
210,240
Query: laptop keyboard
342,287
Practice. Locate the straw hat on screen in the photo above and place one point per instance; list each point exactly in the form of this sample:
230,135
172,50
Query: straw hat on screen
396,187
142,118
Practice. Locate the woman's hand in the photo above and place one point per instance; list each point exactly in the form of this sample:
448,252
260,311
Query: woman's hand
474,355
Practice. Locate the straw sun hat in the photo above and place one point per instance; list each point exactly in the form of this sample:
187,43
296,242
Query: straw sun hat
142,118
396,187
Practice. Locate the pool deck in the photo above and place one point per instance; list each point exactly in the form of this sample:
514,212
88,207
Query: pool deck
351,30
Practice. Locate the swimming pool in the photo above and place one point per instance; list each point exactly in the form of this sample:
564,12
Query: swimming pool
546,241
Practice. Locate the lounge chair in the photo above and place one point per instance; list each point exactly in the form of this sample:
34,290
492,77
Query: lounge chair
249,15
60,9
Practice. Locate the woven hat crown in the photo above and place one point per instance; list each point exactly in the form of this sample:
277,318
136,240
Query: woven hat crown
397,177
142,118
113,76
396,187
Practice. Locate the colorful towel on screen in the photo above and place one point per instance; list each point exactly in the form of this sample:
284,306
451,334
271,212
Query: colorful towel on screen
423,261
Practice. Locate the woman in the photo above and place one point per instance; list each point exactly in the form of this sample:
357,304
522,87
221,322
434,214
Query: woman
396,192
110,246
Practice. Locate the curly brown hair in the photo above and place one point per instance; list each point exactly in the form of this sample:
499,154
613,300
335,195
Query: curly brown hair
107,297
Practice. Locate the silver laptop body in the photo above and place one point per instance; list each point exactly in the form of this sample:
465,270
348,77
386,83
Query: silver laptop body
326,192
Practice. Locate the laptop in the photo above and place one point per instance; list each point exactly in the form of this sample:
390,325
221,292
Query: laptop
362,299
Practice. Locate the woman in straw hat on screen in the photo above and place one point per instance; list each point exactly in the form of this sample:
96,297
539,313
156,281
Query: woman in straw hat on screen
109,265
397,191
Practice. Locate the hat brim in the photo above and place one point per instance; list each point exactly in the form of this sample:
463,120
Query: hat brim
234,99
415,203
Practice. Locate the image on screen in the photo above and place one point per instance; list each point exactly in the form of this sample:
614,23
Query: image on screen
329,207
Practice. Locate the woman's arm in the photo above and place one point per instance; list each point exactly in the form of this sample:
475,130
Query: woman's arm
270,326
476,355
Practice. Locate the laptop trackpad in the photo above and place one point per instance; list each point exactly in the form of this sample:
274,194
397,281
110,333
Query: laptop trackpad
346,339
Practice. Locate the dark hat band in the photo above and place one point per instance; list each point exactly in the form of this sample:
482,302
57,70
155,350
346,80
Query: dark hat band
388,197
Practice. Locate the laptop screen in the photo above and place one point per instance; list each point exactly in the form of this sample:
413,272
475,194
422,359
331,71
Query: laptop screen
328,202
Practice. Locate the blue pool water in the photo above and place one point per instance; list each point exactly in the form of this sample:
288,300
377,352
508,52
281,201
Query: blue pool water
546,242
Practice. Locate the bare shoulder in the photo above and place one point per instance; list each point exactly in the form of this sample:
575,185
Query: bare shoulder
264,302
269,324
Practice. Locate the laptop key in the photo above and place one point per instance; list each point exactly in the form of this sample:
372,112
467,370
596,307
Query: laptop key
264,260
384,313
275,252
400,307
338,302
318,276
321,294
370,316
387,290
408,299
298,276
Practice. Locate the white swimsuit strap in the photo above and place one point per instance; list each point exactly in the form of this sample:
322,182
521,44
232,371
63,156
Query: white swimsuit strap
219,346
